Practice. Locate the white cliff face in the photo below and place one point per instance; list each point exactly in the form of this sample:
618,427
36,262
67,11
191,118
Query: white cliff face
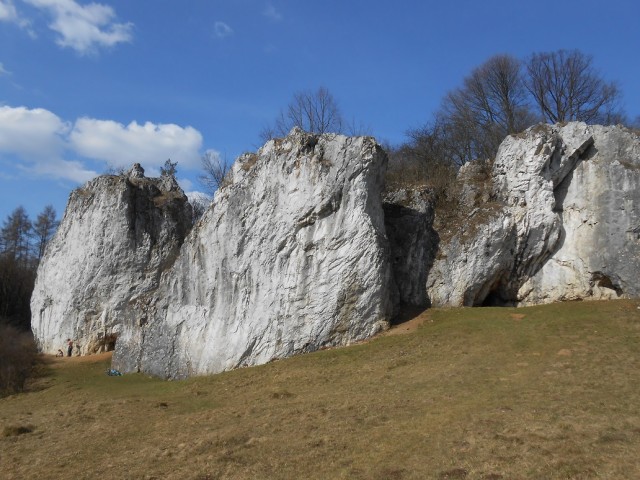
290,257
562,226
598,256
465,271
118,233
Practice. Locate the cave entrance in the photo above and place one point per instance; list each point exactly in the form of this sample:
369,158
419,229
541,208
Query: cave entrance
495,298
604,281
105,344
110,344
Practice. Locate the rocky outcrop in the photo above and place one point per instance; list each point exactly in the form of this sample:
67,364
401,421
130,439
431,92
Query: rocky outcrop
118,234
298,251
598,253
557,224
291,257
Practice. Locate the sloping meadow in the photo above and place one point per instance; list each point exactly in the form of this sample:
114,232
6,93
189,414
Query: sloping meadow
536,392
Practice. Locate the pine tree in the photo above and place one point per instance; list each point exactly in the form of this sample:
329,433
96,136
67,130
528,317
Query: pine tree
43,229
15,236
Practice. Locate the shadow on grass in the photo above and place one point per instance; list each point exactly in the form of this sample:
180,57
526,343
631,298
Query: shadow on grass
406,314
20,363
40,378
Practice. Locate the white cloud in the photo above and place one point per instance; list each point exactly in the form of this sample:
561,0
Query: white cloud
3,71
222,30
185,184
38,138
148,144
84,28
271,13
43,144
34,132
9,13
59,168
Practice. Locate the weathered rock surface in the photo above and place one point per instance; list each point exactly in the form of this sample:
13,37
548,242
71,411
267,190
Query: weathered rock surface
118,234
291,257
598,255
562,222
297,251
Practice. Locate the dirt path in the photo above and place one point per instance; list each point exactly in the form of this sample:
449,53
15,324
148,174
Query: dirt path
62,361
410,325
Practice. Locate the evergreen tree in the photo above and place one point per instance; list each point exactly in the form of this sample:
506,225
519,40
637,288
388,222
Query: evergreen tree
15,236
43,229
19,257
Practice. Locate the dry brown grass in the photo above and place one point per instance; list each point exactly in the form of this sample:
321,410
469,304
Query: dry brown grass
469,394
249,160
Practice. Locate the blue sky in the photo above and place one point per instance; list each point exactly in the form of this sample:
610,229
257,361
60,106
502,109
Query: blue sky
85,86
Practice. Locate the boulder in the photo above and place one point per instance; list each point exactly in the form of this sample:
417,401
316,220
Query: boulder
119,232
598,253
559,224
290,257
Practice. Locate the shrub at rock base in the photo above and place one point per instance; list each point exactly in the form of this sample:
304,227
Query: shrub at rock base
18,357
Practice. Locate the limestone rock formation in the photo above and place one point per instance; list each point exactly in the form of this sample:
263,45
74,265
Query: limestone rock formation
298,251
598,253
560,222
118,234
291,257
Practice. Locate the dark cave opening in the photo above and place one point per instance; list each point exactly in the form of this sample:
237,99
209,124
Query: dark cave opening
106,343
495,299
110,345
604,281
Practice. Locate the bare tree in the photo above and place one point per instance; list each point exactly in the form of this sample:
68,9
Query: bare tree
499,98
495,94
490,104
424,160
215,169
566,87
356,129
44,228
115,170
197,210
312,111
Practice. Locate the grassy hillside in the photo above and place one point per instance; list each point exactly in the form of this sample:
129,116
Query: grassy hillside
493,393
